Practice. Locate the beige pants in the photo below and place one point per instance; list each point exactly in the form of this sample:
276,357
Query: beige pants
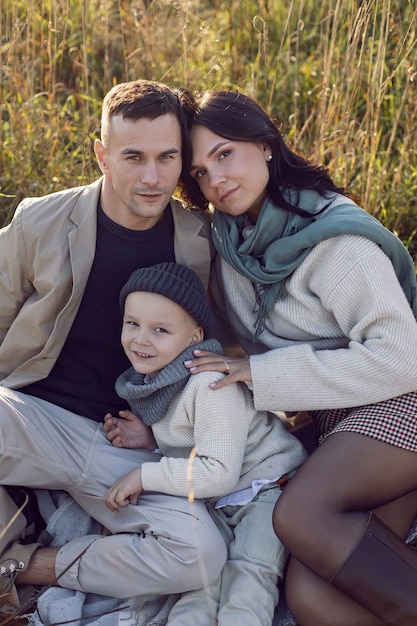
163,545
246,593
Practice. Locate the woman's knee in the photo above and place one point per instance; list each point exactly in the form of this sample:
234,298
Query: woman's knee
289,515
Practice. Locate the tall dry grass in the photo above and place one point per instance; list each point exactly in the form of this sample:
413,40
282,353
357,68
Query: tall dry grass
340,76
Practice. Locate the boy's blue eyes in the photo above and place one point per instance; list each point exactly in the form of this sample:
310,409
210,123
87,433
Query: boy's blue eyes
158,329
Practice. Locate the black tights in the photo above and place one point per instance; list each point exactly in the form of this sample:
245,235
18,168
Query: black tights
322,514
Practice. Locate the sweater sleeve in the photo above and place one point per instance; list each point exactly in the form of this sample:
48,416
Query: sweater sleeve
354,282
218,422
15,285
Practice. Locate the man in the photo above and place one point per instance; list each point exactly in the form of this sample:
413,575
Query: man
63,261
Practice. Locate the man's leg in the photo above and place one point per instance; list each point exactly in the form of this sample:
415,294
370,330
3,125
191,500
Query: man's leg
14,556
41,569
141,563
131,564
167,545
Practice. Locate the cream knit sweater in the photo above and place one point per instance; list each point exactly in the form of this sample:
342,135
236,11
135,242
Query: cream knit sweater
342,335
235,444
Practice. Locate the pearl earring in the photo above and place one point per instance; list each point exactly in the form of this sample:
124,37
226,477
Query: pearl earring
269,157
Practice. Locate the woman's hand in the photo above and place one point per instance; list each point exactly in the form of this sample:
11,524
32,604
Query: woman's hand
124,491
235,369
128,431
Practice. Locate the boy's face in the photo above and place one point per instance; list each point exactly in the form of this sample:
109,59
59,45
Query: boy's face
155,331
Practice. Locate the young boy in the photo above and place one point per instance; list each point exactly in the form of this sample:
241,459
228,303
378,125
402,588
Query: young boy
215,446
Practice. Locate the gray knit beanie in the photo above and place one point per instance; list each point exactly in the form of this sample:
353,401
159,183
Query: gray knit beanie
176,282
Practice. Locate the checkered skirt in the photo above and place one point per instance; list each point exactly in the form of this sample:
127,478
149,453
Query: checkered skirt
393,421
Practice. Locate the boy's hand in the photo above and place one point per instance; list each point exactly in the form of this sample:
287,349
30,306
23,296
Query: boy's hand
125,491
128,431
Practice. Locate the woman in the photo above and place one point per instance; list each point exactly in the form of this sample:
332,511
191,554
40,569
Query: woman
323,300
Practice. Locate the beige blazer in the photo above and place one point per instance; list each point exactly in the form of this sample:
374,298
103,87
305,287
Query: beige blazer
46,254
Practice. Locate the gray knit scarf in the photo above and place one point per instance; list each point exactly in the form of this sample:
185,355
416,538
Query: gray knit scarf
281,240
151,400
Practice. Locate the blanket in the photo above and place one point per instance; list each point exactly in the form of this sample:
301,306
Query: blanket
65,520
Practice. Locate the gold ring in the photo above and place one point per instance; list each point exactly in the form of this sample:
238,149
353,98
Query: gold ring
227,370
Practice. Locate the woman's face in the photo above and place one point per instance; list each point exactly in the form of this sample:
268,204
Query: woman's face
232,175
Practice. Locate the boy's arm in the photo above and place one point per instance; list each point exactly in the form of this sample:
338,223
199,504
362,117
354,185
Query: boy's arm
124,491
218,425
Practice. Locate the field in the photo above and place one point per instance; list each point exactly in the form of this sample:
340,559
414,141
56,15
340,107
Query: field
339,75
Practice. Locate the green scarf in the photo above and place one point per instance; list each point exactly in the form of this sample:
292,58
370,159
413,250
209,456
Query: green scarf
281,240
151,400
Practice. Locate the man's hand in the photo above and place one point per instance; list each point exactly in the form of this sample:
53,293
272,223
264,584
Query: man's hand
124,491
128,431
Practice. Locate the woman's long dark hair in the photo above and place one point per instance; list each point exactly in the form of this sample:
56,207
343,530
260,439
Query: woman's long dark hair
237,117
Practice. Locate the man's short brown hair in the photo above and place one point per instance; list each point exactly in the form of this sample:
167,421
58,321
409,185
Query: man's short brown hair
136,99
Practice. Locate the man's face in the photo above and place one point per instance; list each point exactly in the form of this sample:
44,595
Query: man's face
141,164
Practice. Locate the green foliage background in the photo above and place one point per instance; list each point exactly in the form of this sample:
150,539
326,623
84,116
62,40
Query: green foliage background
339,75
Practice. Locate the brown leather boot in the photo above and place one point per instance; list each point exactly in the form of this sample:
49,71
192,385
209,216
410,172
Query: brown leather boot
14,556
13,561
381,575
12,522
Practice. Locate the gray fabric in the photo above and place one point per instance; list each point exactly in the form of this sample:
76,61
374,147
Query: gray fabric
151,400
281,240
